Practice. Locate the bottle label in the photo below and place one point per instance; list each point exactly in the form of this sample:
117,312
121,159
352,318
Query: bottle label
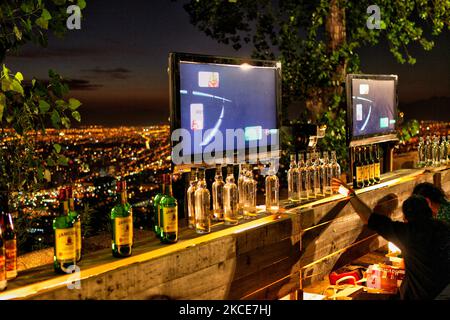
359,174
123,230
366,173
170,219
377,170
372,171
77,226
2,266
11,255
65,244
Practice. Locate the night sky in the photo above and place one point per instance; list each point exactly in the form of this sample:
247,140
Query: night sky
117,63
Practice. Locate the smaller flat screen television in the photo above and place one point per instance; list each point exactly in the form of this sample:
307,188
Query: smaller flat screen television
210,95
371,106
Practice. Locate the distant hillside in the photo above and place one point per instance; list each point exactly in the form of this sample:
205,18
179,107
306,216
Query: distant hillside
435,108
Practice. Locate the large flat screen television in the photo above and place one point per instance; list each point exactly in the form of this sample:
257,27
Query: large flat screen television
210,95
371,107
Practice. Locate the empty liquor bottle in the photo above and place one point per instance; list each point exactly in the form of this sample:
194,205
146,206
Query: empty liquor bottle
122,223
292,178
421,153
302,185
443,151
317,170
241,191
9,238
168,207
230,198
250,186
326,174
190,196
65,253
428,152
202,205
272,190
435,152
358,181
377,166
335,167
3,280
310,177
217,194
156,213
76,220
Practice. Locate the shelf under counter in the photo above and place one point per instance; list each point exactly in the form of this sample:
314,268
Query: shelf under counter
264,258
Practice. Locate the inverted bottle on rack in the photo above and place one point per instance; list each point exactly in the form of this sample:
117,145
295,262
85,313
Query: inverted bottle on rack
272,190
230,198
202,205
217,194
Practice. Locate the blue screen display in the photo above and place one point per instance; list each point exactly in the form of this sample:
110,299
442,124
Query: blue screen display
221,97
373,103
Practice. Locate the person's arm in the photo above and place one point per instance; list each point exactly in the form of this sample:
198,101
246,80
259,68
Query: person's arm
360,207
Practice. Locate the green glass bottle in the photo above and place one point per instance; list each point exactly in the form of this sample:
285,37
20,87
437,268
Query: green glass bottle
122,223
156,214
366,167
371,166
169,213
65,237
9,238
76,220
357,170
377,169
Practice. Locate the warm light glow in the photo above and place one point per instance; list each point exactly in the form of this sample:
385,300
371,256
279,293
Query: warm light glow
393,248
245,66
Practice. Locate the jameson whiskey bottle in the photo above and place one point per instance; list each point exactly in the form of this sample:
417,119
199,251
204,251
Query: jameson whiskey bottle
357,170
190,196
371,166
76,220
65,253
377,168
230,198
366,167
217,194
202,205
169,214
3,280
122,223
9,238
156,213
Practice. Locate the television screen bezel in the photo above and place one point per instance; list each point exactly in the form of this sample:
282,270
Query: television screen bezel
175,58
390,135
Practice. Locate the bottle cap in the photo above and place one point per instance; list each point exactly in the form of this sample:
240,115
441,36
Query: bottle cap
121,186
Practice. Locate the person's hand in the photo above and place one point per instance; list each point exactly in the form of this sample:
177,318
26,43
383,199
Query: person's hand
337,184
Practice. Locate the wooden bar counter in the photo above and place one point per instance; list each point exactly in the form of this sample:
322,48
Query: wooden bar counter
265,258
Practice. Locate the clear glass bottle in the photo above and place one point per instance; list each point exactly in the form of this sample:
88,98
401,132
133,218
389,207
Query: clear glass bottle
217,194
443,151
230,198
250,196
421,153
202,205
241,190
292,178
302,181
190,196
428,152
336,168
310,177
316,165
435,152
272,191
326,174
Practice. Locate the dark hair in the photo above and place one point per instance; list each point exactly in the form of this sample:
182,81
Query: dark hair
416,208
430,191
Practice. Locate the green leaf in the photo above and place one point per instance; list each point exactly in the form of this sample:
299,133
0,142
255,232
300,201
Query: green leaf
63,160
42,23
5,72
57,148
19,77
76,115
81,4
17,33
66,122
74,104
2,104
55,118
44,106
46,15
6,84
17,87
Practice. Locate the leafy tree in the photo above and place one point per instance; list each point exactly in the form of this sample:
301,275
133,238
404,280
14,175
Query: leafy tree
316,41
27,108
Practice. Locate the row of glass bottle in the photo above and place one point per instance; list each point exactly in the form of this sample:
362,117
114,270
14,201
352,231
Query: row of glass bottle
434,154
231,201
311,179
